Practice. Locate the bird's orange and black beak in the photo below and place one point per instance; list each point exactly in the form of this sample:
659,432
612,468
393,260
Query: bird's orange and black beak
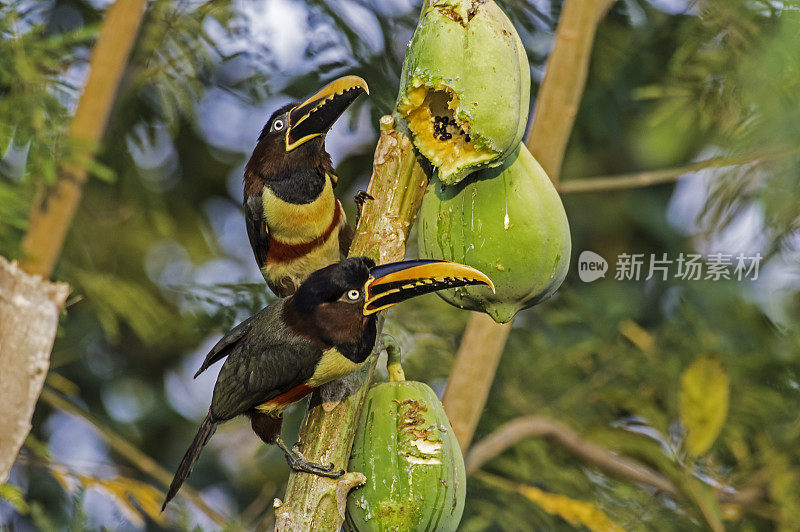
389,284
315,116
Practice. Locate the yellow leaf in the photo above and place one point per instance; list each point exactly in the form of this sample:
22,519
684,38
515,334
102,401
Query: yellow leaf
573,512
15,497
66,480
131,496
703,403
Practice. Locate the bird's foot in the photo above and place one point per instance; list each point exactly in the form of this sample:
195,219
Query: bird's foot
298,462
360,199
301,464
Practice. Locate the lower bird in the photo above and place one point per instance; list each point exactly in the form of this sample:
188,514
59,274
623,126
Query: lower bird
323,332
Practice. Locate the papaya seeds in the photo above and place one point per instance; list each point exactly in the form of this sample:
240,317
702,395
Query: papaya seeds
465,87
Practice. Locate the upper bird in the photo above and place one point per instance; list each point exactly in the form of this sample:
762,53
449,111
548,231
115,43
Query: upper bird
325,331
295,223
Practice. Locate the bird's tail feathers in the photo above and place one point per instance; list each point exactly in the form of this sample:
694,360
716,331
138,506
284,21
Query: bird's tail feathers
185,468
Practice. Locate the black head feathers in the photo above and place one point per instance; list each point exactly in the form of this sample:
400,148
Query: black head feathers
285,109
330,283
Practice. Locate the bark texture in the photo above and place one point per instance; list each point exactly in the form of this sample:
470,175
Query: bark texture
397,186
29,309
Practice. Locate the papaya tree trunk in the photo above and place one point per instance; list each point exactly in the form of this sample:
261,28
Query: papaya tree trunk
397,185
29,309
548,132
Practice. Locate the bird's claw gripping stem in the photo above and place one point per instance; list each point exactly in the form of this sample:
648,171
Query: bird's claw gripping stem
360,199
299,463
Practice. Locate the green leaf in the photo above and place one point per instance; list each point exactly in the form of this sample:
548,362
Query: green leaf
37,447
117,300
703,403
102,172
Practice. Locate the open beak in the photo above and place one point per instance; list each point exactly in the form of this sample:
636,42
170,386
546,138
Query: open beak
315,116
389,284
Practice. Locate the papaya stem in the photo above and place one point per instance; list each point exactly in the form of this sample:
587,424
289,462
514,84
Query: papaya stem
393,365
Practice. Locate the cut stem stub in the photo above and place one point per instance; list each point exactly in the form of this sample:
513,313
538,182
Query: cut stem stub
393,366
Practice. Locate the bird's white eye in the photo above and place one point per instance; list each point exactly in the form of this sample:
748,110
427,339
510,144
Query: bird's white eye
277,125
353,295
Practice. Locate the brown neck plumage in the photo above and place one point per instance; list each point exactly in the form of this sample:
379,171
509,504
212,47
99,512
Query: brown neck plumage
328,324
271,161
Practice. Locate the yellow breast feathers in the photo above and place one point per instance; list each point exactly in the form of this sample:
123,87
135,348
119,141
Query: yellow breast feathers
333,365
296,223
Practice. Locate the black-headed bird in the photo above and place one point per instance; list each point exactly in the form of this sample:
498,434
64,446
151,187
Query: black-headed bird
295,223
326,330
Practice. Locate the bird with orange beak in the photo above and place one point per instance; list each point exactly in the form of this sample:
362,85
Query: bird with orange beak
294,222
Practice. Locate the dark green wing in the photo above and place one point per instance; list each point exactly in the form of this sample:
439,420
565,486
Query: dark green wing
256,225
226,344
267,362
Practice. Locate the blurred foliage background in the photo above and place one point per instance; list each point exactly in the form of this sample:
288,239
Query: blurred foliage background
160,266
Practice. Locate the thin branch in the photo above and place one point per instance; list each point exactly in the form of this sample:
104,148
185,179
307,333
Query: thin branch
667,175
526,427
522,428
124,448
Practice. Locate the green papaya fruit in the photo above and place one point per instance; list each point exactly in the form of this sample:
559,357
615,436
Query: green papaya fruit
508,222
465,86
415,472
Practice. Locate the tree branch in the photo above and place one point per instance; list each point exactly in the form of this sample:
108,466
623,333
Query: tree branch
137,458
522,428
549,130
472,374
561,91
54,210
526,427
397,186
667,175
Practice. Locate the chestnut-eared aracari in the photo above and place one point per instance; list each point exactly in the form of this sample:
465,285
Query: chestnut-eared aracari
325,331
295,223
